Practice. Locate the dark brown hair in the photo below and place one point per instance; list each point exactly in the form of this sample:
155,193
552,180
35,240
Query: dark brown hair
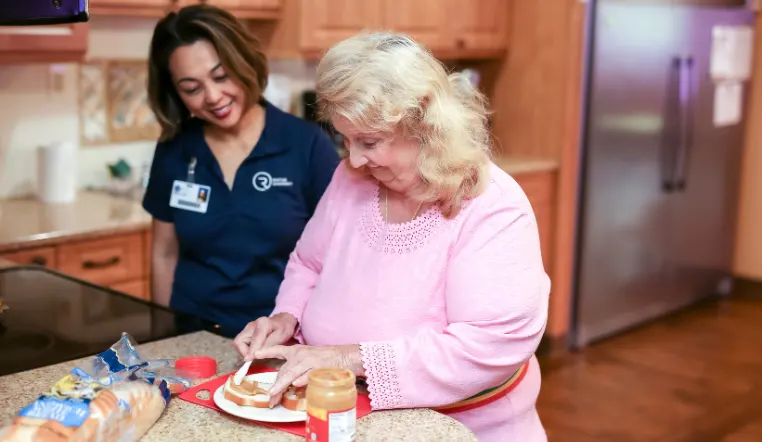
240,54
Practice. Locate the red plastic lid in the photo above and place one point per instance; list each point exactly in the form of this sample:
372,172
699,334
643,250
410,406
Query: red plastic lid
199,366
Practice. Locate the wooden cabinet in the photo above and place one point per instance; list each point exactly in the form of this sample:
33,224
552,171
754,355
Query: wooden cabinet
247,9
258,9
422,20
41,256
43,44
147,242
136,288
449,28
119,262
452,29
540,189
748,236
322,26
105,261
478,27
136,8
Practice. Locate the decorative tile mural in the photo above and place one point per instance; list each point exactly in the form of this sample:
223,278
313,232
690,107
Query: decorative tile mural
92,104
114,102
130,118
113,98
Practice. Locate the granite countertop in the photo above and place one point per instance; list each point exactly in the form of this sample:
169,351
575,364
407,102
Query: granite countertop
183,421
27,222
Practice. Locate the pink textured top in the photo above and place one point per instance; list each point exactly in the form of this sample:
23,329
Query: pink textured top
442,309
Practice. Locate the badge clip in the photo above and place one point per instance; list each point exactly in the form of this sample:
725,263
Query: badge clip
192,170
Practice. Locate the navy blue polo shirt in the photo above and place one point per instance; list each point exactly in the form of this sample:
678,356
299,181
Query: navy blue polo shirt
232,258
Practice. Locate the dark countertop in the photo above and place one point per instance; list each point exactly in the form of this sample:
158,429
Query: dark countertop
52,318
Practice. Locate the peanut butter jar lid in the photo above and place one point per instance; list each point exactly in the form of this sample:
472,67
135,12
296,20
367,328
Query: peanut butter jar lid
329,377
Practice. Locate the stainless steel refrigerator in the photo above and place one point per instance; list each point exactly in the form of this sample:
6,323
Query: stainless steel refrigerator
659,170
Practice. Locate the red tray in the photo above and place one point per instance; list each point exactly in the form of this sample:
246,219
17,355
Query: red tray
297,428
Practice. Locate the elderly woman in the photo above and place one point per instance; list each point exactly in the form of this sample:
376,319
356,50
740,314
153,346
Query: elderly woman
421,268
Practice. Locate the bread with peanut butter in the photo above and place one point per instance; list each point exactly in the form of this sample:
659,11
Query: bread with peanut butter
252,393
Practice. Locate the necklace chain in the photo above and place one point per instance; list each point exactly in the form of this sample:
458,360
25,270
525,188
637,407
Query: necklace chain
386,206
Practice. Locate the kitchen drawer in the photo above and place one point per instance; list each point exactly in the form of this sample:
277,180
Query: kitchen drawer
103,261
137,288
43,256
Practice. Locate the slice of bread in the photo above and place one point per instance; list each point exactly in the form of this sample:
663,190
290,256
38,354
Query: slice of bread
252,393
295,399
249,386
249,394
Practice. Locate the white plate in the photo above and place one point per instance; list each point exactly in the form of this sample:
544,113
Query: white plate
278,413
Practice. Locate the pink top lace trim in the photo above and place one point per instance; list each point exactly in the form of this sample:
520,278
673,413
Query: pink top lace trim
399,238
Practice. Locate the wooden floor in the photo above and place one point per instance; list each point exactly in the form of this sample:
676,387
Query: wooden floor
692,377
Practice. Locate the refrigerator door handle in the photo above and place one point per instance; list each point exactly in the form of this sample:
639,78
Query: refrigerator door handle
670,135
685,142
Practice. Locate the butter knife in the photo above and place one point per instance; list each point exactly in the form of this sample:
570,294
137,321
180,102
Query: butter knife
239,375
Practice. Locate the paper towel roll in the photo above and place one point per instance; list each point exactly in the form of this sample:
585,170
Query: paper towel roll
278,92
57,173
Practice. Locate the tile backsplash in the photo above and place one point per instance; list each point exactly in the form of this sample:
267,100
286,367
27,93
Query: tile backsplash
40,106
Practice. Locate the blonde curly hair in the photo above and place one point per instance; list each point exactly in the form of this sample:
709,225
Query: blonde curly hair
385,81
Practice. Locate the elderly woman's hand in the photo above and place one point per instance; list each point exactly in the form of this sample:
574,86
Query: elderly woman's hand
264,332
301,359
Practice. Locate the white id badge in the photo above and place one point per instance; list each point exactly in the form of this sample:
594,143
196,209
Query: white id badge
190,196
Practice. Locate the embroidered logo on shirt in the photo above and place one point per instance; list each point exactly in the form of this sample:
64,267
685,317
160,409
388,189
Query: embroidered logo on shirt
263,181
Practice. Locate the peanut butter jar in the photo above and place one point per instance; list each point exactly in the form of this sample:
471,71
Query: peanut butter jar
331,405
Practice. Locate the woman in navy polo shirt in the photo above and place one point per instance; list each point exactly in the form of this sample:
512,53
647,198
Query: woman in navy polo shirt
234,180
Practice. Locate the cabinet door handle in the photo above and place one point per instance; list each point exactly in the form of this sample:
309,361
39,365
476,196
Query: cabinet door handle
100,264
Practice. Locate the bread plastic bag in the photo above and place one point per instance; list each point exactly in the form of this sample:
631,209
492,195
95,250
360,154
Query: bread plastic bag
113,396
